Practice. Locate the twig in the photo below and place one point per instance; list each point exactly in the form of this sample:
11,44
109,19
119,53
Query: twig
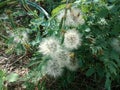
17,60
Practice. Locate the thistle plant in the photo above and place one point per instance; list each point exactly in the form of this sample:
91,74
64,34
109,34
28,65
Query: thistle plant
60,54
76,40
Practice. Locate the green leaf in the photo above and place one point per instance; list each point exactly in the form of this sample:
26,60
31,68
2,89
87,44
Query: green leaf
100,71
12,77
111,1
112,69
90,72
108,83
1,79
115,56
57,9
103,12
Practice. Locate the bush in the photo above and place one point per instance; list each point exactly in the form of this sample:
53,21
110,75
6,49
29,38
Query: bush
67,42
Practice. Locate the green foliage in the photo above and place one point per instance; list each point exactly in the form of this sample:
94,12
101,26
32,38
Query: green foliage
98,58
12,77
1,79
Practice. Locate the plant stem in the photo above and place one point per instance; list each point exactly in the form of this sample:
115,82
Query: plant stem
4,3
4,37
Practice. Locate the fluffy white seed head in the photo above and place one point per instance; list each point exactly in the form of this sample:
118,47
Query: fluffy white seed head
72,39
65,59
72,64
49,46
116,44
20,37
53,69
62,56
73,17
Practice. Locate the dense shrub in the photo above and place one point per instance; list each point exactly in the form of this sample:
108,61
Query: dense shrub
65,40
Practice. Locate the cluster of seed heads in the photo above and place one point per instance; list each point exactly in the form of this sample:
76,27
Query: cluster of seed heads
60,54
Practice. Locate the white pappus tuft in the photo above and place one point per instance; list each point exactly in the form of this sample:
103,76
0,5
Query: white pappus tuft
72,64
19,37
49,46
73,17
53,69
116,44
66,59
72,39
62,56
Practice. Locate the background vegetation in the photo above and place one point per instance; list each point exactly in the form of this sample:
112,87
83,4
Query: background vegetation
98,56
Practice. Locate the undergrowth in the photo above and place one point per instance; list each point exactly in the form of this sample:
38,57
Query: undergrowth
69,44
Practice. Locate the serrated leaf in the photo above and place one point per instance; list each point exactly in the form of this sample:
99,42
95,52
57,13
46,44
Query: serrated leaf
112,69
